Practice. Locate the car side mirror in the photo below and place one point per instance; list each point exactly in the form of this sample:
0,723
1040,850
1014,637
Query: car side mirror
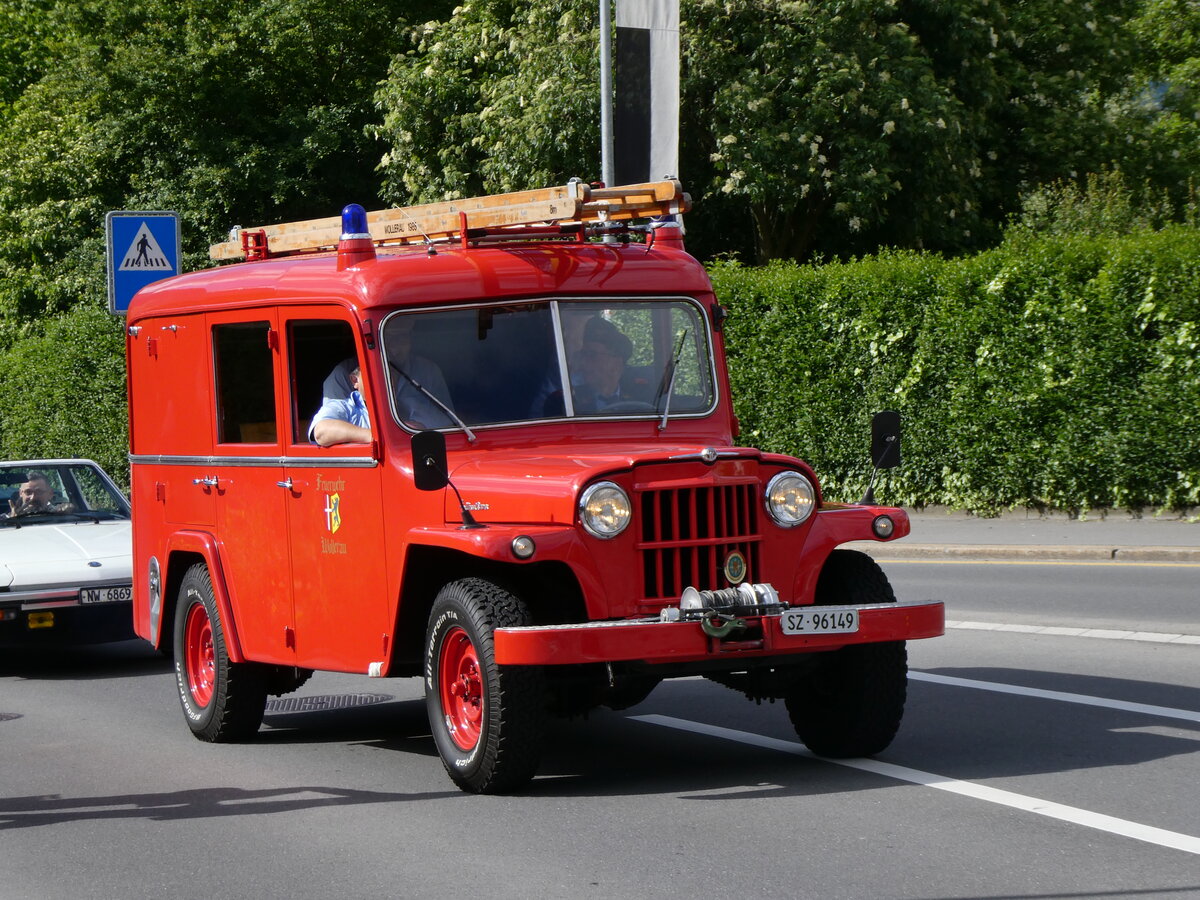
429,461
885,439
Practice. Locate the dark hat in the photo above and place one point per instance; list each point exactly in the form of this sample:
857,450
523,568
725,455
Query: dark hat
604,332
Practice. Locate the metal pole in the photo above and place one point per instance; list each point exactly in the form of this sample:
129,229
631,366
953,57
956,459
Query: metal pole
606,94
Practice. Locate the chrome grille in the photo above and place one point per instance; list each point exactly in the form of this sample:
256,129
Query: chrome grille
687,533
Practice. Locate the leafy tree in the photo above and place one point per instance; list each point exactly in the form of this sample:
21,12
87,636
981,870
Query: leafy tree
832,126
229,113
1155,134
500,96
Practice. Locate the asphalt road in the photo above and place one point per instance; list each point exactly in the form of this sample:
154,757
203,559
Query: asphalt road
1032,765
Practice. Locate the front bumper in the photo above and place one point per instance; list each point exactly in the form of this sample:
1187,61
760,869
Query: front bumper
653,641
58,616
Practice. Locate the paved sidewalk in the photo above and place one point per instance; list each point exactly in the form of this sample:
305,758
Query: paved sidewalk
943,534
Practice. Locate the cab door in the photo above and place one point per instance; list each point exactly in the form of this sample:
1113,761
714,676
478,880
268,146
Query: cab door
247,472
334,503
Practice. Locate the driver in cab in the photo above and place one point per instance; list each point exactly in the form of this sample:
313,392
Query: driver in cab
600,366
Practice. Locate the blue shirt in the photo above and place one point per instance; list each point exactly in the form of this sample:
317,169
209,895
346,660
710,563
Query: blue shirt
350,409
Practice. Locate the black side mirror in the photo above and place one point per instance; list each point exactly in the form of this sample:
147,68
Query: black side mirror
429,461
885,439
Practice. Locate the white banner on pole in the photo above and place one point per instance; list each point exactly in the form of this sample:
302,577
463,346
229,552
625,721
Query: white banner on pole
646,118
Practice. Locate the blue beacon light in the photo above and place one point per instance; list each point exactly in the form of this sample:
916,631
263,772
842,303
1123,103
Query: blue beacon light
354,223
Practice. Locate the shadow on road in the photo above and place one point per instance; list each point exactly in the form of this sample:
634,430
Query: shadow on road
66,663
203,803
387,724
972,733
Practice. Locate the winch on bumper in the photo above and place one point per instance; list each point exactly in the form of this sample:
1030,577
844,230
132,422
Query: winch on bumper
747,621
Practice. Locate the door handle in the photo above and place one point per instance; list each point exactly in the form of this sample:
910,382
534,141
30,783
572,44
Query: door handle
287,485
210,481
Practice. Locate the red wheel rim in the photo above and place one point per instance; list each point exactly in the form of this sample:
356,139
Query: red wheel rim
199,661
460,687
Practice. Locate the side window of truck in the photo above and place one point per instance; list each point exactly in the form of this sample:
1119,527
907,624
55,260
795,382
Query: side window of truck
245,383
322,355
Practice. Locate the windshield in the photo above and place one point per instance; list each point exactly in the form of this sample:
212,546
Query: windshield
549,360
48,492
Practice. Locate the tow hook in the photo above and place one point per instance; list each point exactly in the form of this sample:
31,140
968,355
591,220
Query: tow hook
719,626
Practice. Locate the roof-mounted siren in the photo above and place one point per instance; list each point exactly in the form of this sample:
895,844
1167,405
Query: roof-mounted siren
355,245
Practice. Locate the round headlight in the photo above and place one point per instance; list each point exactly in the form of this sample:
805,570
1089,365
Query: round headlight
790,499
604,509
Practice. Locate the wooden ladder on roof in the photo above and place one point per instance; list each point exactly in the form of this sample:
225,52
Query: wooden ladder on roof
573,203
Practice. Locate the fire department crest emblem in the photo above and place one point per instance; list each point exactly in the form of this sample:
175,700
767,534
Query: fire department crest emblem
333,512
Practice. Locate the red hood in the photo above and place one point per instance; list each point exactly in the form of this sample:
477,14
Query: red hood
541,487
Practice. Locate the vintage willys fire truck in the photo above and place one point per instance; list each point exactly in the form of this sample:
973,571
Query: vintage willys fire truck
445,442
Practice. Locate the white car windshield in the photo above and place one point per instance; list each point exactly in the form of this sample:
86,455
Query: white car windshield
561,359
33,493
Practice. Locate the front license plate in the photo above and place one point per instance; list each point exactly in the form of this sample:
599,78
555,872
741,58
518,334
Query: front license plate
820,621
106,595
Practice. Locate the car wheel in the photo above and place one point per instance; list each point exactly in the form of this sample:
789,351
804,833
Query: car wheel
222,701
487,720
851,704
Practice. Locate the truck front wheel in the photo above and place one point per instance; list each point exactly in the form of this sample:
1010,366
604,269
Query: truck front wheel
851,704
222,701
487,720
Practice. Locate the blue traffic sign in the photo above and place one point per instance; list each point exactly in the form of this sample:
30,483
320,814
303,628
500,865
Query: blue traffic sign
143,247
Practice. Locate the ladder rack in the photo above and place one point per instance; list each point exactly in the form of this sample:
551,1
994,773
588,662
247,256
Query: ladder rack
434,222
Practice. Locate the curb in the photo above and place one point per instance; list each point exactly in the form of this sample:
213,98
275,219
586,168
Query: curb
1062,552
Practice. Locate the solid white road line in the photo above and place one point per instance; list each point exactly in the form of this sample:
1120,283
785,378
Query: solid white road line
1160,837
1109,634
1166,712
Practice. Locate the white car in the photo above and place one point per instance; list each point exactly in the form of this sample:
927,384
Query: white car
65,554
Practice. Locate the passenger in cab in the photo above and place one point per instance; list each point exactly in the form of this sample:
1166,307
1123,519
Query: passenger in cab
342,420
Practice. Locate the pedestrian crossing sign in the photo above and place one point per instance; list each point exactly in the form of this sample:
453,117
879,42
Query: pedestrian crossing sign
143,247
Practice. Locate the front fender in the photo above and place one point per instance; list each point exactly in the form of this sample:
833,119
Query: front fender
553,543
834,525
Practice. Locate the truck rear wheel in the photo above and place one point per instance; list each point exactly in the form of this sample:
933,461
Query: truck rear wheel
487,720
222,701
852,703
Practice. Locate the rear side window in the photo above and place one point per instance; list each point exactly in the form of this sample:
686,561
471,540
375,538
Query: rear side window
245,383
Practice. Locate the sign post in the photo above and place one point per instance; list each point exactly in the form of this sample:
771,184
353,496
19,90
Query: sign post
143,247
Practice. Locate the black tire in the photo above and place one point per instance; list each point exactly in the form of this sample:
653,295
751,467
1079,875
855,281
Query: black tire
851,704
490,740
222,701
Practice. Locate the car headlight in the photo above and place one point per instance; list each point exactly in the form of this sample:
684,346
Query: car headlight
790,499
604,509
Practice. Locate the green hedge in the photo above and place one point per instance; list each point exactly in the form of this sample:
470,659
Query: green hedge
1052,372
64,391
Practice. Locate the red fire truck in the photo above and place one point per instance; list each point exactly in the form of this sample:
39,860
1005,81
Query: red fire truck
488,443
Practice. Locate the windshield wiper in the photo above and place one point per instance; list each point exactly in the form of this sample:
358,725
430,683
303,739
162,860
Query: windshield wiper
668,382
428,393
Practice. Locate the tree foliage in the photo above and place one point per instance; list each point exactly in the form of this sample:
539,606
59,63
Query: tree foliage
229,113
834,127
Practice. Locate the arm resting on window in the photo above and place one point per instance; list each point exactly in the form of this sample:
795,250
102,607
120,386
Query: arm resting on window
337,431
